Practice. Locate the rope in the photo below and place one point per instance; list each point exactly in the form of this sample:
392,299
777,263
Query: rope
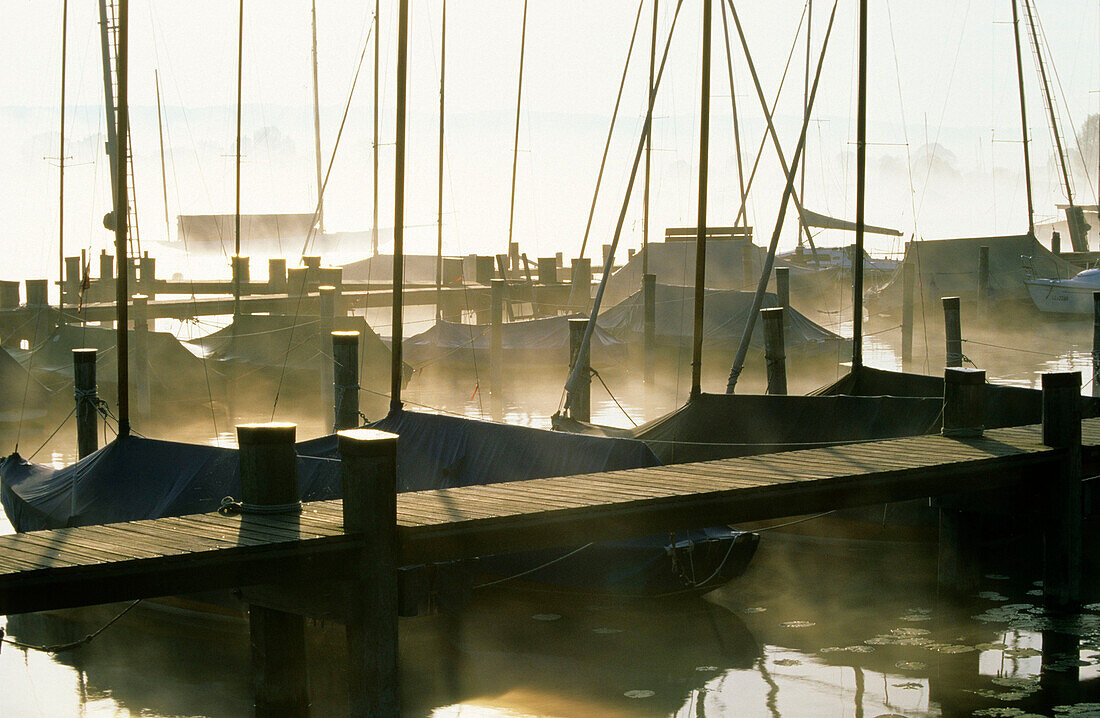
50,437
608,390
999,346
58,648
532,570
230,507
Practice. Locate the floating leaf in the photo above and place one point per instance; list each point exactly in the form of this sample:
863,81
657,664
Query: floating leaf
797,624
639,694
546,616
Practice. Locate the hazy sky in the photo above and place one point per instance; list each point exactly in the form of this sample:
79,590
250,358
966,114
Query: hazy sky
941,72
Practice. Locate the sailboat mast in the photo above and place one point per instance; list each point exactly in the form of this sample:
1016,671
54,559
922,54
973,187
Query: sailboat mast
861,181
317,122
121,220
515,140
374,215
163,168
805,103
1023,118
701,222
237,210
439,196
61,163
648,147
399,206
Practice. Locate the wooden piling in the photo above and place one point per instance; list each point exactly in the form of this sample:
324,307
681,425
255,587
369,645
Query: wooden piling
952,331
774,353
106,266
9,294
1056,242
580,401
147,267
368,470
1096,343
496,334
326,306
87,401
783,286
269,477
983,282
1062,526
345,379
908,284
580,293
296,284
963,402
604,256
73,279
548,270
140,374
37,292
513,257
649,336
276,275
559,258
748,276
239,269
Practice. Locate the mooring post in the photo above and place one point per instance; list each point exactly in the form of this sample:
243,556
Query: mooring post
783,286
140,369
963,402
1062,529
1056,242
148,267
774,353
748,276
296,287
269,477
87,401
36,291
73,279
326,308
548,270
983,282
368,471
580,401
276,275
649,336
580,290
345,382
1096,343
952,331
496,334
239,271
313,272
513,257
908,289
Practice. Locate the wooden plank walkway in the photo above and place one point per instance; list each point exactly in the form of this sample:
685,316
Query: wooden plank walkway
97,564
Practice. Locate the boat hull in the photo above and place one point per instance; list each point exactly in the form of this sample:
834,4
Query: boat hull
1060,297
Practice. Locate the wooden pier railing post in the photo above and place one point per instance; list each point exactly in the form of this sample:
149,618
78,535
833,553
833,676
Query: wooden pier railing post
269,477
326,309
368,468
345,379
87,401
983,282
1096,343
276,275
649,336
783,286
1062,530
963,402
952,331
775,355
580,402
140,369
908,288
496,335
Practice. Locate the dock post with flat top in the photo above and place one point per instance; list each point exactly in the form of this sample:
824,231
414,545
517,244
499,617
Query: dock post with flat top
908,289
276,275
345,384
580,401
269,477
952,330
783,286
775,356
649,337
368,470
1063,515
496,335
87,401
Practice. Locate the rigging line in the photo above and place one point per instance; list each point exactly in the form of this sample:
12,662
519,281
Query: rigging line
788,190
742,213
515,141
733,103
575,378
336,145
904,128
610,131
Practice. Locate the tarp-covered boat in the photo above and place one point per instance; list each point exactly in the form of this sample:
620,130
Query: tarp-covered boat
526,342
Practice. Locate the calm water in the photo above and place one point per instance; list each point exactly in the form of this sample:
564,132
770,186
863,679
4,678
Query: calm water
817,627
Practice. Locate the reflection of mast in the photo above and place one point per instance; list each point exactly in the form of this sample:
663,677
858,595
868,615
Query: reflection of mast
317,123
1074,216
1023,119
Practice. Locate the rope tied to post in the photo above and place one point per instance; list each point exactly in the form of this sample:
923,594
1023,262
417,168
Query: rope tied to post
231,507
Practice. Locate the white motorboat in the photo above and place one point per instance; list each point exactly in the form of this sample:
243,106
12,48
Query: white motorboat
1065,296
